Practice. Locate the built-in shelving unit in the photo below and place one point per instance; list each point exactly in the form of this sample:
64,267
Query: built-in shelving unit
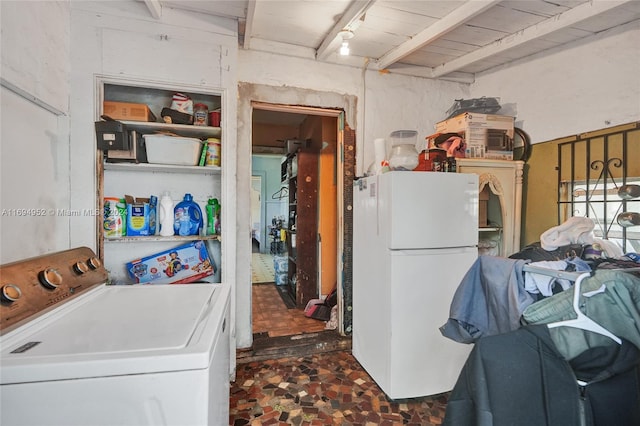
180,129
158,238
116,179
302,230
168,168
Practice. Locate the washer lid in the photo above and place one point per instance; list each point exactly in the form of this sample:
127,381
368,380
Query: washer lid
119,330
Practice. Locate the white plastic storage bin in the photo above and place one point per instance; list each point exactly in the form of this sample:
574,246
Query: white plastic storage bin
164,149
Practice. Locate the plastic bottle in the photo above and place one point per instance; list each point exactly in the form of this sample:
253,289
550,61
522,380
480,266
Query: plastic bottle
216,215
212,210
184,223
166,215
187,217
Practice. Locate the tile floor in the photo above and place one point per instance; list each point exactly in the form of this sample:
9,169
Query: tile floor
322,389
262,270
271,316
269,313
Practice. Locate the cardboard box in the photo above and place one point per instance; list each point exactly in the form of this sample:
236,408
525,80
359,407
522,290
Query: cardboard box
127,111
183,264
141,216
499,155
486,135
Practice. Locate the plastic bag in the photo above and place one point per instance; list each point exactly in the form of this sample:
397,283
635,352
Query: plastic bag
481,105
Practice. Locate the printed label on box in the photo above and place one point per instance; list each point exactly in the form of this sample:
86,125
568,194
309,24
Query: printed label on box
184,264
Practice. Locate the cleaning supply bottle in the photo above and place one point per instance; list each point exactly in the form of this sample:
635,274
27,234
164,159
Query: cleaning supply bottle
187,217
216,216
166,215
212,211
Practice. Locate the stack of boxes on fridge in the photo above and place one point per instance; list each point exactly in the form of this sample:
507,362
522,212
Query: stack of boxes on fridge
486,135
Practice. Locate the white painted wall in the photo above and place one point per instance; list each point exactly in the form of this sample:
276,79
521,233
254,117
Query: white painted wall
35,49
121,41
385,102
375,104
34,138
556,94
587,85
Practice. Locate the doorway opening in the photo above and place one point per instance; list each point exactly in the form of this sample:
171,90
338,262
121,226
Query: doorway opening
295,158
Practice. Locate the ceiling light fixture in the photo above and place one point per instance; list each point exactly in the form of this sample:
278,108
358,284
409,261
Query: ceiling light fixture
344,49
345,35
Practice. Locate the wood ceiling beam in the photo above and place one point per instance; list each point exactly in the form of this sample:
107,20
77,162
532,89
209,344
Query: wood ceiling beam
353,13
155,8
541,29
248,27
448,23
297,109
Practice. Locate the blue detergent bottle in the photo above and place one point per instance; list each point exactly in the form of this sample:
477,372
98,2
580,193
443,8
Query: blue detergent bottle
187,217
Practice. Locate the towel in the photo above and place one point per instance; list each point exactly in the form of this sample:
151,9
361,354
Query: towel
575,230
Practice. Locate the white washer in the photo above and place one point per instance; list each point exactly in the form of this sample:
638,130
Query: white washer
121,355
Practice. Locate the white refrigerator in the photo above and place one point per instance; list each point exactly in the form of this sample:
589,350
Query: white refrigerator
415,236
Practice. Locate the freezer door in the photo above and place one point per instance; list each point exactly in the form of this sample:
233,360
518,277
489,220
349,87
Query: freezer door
418,210
423,282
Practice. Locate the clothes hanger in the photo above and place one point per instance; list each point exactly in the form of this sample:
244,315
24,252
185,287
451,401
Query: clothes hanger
582,321
280,194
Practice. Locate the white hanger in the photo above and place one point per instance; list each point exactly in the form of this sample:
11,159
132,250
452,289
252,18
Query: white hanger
582,321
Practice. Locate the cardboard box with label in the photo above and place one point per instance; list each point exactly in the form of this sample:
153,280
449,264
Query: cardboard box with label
183,264
127,111
141,216
486,135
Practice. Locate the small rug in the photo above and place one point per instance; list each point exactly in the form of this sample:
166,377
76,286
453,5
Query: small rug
262,269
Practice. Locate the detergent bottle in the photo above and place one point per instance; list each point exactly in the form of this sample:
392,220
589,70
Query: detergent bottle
187,217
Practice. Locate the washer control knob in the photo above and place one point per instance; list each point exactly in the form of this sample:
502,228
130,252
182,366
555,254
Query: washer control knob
80,267
50,278
11,292
94,263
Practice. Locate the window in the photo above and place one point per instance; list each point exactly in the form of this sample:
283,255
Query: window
592,167
604,206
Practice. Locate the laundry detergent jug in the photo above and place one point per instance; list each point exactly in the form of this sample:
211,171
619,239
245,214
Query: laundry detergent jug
187,217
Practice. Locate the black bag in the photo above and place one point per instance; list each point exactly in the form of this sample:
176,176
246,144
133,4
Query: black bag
535,253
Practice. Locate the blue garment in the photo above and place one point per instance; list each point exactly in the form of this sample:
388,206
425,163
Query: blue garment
489,300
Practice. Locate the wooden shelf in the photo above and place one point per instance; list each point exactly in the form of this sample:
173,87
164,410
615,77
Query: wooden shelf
157,238
186,130
146,167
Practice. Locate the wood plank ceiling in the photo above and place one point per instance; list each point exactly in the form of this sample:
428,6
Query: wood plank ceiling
451,40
